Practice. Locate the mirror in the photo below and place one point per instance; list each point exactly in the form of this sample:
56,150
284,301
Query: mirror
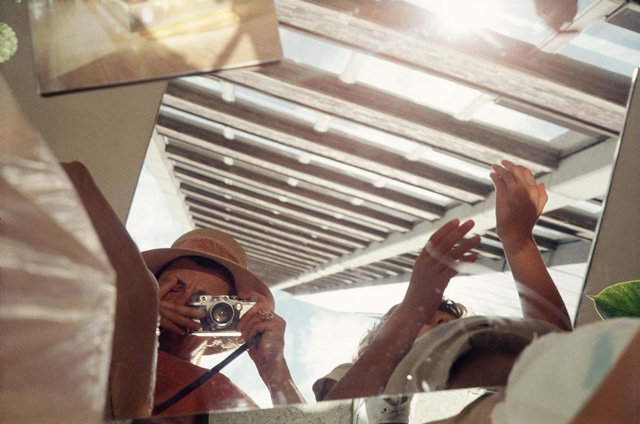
379,141
333,168
81,45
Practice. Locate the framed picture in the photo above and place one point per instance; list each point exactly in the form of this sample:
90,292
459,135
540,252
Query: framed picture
84,44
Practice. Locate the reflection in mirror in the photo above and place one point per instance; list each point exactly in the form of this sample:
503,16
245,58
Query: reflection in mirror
333,174
80,45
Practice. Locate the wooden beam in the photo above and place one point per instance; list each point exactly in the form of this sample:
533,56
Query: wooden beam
277,259
276,250
252,199
313,174
283,244
265,263
289,132
584,175
324,91
211,200
201,212
209,163
392,30
385,268
576,221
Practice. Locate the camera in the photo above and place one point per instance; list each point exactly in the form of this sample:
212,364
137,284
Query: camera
223,314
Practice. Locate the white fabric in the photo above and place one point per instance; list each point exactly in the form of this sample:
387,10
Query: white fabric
557,374
388,409
427,366
57,293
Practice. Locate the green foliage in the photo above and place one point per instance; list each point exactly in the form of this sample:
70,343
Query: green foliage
8,42
619,300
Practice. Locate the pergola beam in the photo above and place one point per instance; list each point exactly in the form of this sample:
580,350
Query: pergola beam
199,209
584,175
245,198
392,30
263,123
377,109
213,201
208,163
305,251
313,174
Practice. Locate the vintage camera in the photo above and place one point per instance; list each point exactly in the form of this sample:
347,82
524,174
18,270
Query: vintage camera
223,314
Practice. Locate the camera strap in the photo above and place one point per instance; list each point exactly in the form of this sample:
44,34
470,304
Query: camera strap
204,377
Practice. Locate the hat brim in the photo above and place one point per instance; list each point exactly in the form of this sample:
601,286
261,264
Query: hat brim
244,280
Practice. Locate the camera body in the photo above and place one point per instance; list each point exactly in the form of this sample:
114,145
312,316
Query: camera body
223,314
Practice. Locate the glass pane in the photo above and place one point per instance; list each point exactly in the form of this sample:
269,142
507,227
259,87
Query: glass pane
416,86
512,18
606,46
276,105
206,83
314,52
370,135
460,166
510,120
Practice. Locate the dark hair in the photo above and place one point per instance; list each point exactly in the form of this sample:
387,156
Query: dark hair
448,306
203,262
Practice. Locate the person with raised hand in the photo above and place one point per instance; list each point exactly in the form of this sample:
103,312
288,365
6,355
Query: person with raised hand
520,201
416,315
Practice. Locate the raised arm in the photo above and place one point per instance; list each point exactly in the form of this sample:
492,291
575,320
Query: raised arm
433,269
519,204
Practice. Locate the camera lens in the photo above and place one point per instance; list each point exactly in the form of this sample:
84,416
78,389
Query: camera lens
222,313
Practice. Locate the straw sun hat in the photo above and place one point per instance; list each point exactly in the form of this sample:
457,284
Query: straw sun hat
217,246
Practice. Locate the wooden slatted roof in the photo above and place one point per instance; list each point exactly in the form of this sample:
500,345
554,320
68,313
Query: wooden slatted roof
331,182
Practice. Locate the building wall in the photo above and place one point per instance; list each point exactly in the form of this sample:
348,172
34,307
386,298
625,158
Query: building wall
616,253
108,129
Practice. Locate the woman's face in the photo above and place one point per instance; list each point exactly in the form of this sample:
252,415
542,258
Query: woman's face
193,279
438,318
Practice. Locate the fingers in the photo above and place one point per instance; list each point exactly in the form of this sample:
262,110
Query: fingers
448,248
262,304
166,324
464,247
443,231
166,286
175,317
505,174
498,183
275,326
543,197
453,237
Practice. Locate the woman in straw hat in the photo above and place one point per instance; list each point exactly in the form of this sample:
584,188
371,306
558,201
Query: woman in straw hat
210,262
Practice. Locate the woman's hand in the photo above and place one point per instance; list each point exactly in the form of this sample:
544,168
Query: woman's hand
519,202
174,317
268,352
437,264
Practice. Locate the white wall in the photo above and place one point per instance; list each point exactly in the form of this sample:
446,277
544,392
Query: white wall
108,130
616,254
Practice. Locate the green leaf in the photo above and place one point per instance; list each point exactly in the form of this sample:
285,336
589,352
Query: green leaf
619,300
8,42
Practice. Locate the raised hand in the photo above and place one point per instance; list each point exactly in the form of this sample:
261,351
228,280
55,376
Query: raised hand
519,201
175,318
437,264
